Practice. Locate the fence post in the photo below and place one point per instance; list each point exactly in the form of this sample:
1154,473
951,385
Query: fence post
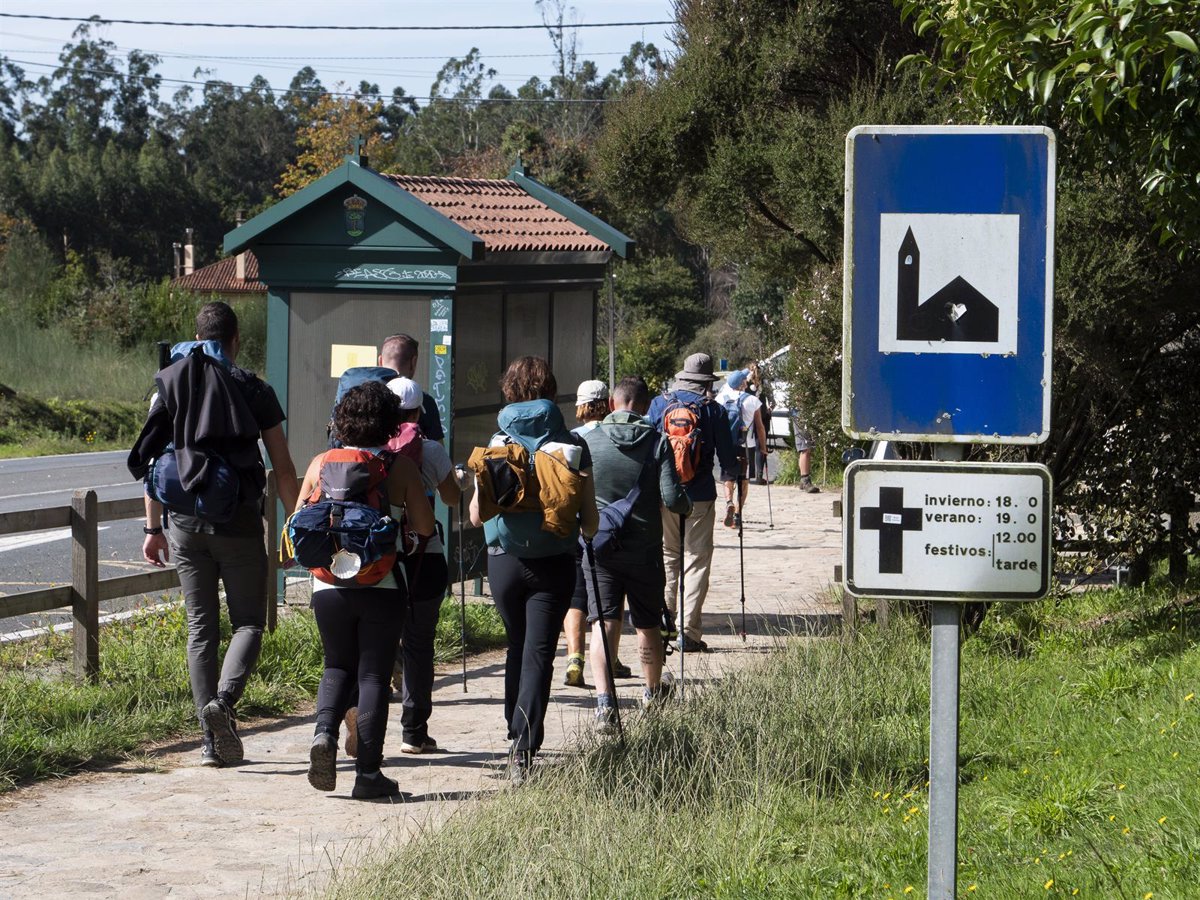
85,585
272,538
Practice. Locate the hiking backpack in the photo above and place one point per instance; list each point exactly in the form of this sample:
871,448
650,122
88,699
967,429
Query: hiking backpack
737,423
345,521
681,425
408,441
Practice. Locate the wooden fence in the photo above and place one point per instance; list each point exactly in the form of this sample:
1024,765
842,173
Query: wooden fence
87,590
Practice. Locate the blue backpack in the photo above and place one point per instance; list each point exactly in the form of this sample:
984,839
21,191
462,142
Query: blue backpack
216,501
737,424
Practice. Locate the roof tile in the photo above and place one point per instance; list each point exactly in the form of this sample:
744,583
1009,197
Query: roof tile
221,278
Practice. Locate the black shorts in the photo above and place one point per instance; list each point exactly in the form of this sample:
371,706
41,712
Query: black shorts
641,582
579,599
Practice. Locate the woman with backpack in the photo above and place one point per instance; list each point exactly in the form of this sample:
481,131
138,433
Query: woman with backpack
531,540
360,610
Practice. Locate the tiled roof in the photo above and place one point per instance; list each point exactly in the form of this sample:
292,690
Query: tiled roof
500,212
221,278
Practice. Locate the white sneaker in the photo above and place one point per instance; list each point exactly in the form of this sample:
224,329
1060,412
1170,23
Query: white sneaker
428,746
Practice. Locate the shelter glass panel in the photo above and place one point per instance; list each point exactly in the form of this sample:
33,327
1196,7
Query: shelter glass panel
470,432
478,350
324,330
527,326
574,339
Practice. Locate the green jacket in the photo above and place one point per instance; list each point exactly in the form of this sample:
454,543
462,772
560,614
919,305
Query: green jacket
619,447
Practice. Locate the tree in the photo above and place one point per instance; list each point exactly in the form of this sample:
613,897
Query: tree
329,128
1114,77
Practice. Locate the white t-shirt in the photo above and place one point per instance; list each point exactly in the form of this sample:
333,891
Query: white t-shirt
435,466
750,405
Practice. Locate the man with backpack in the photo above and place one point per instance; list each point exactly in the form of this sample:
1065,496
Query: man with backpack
397,357
208,416
744,412
631,462
697,430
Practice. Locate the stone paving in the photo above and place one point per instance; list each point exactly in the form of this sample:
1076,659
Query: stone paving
160,825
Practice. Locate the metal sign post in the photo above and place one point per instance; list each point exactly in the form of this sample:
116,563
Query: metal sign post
947,326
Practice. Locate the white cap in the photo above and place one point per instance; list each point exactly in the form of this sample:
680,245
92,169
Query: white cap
589,391
409,392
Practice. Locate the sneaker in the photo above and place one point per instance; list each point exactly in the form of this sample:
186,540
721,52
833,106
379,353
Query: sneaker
429,745
369,786
351,720
219,718
606,715
520,767
807,486
687,645
322,761
620,670
574,670
730,513
737,520
208,753
656,697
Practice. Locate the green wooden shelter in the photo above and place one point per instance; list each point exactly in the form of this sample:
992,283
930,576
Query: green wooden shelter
480,271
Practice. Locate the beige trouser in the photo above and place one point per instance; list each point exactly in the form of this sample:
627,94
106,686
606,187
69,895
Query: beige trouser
698,551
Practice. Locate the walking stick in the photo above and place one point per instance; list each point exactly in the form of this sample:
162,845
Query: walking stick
767,479
612,681
740,522
462,591
680,623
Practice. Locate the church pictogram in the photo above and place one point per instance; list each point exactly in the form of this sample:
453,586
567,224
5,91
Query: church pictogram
957,312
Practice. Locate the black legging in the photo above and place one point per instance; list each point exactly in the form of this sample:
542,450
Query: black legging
532,596
427,588
360,628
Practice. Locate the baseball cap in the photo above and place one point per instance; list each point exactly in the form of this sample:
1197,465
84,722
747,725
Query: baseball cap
409,392
738,378
591,390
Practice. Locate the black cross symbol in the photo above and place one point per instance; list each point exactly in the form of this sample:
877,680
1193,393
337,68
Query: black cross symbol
891,518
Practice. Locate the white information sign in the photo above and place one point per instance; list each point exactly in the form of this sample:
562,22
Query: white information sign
939,530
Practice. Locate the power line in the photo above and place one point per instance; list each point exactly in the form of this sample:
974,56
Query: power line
539,26
322,92
180,55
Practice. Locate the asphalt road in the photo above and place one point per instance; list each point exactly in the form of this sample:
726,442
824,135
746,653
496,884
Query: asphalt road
32,560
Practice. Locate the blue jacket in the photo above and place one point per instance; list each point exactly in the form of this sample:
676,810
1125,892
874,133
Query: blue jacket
715,441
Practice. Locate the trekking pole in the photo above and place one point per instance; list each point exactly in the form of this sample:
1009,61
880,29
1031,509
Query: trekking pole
462,591
608,666
767,479
680,628
741,522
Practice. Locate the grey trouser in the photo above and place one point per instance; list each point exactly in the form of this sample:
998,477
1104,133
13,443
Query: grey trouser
241,564
697,562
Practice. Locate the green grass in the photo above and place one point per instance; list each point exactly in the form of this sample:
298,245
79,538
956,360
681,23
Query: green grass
826,471
50,725
805,776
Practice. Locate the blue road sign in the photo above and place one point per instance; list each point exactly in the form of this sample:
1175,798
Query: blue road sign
949,282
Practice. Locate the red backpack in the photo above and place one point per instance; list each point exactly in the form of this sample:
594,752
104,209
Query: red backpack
347,481
681,425
408,441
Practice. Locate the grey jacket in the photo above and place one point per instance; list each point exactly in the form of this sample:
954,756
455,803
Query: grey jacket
620,446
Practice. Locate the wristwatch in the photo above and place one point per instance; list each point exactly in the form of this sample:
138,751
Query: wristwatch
146,530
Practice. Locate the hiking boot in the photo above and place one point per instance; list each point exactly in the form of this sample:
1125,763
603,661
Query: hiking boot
369,786
574,670
322,761
208,753
620,670
351,720
687,645
730,514
428,745
759,481
737,520
807,486
606,714
219,718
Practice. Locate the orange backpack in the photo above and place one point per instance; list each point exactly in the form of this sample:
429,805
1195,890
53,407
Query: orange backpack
681,425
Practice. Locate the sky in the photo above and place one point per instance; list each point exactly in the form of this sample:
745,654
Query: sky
390,59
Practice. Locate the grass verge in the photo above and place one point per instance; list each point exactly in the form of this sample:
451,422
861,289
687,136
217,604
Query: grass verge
51,725
32,427
806,775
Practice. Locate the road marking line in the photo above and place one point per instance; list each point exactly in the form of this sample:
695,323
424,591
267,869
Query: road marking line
66,490
21,541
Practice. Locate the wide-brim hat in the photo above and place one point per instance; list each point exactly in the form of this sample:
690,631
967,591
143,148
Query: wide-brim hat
697,367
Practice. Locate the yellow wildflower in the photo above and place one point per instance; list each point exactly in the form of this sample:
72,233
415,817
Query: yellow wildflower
909,889
1125,830
1189,697
971,887
913,810
1162,819
1049,884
